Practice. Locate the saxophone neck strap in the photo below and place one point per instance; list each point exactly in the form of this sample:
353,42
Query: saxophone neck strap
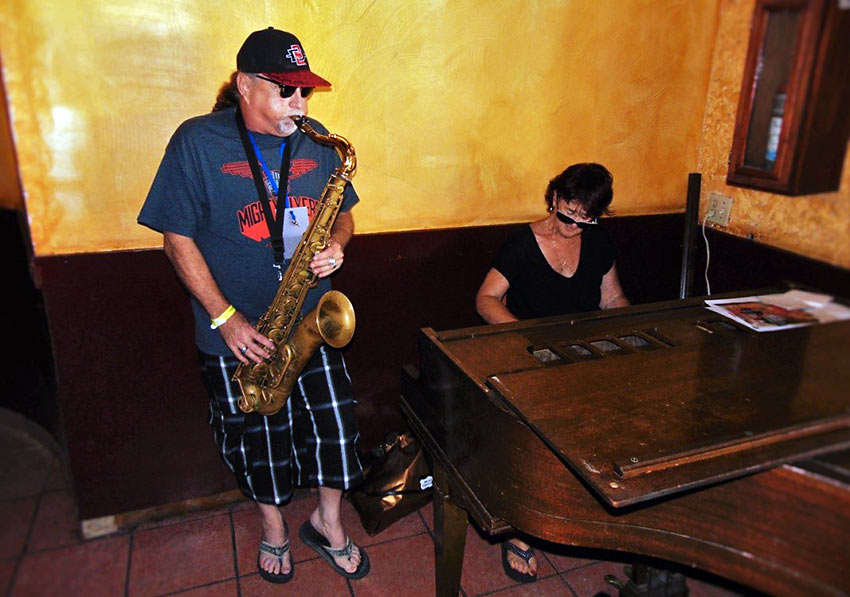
273,217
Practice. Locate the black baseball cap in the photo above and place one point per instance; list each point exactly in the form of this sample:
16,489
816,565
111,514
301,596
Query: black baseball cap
279,56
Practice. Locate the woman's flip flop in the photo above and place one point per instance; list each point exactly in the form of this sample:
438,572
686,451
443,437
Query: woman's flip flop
522,553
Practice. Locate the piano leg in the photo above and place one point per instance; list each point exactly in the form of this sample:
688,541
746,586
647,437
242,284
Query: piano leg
450,528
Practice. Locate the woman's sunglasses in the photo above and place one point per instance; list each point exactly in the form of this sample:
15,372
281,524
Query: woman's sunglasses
287,91
568,220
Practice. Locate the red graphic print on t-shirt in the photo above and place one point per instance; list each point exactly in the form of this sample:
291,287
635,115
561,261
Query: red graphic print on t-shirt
251,220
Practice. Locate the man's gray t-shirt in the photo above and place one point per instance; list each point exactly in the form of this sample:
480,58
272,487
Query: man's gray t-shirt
204,190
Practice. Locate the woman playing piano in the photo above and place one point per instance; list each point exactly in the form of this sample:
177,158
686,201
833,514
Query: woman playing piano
562,263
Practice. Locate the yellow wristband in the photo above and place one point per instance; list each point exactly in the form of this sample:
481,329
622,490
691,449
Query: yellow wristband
227,314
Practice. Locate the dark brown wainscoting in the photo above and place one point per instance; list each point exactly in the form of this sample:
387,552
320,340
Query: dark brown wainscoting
134,410
401,282
129,390
133,405
738,263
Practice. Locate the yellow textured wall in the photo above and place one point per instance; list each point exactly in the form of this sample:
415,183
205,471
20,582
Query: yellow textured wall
814,225
460,111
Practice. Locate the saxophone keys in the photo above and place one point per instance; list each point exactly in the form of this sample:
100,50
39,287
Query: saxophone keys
287,354
248,401
277,366
264,399
260,371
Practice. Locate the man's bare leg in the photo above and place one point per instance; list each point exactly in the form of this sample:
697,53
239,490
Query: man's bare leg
275,534
326,519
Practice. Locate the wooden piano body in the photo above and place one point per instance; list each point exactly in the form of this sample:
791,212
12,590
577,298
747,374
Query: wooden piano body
661,430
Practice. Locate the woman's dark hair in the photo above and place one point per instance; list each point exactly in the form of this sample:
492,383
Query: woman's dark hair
228,95
591,185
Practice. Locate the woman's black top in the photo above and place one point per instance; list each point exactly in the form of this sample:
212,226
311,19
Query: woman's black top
537,290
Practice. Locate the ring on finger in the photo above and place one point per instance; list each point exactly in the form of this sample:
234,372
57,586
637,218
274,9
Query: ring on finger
243,349
332,261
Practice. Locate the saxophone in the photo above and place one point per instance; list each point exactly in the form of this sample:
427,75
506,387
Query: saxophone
266,386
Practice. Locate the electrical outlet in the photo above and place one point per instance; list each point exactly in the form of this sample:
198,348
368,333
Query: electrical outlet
719,209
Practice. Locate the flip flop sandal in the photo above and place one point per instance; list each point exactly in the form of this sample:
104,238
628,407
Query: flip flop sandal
279,552
316,541
526,555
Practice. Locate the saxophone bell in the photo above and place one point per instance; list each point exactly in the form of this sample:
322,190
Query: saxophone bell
334,319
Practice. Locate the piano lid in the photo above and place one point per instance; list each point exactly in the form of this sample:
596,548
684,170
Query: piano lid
686,402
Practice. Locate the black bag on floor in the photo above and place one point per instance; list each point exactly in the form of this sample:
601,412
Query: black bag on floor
397,482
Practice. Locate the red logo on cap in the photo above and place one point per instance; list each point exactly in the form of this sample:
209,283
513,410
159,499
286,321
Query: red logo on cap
295,55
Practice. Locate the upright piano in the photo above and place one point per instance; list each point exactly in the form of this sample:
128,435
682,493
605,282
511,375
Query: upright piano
665,430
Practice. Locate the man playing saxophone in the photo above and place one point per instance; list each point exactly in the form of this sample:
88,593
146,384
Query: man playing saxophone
235,190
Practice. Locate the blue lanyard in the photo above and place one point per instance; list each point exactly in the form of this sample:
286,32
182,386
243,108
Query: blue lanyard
269,176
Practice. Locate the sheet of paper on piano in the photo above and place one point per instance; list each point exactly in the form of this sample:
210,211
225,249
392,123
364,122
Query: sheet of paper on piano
781,311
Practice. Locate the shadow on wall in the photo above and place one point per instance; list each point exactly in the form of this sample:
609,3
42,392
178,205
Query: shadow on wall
29,385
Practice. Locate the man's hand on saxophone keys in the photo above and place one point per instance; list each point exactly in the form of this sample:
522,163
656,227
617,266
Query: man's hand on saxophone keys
327,260
246,343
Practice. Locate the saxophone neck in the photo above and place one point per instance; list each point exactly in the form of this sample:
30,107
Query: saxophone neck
338,142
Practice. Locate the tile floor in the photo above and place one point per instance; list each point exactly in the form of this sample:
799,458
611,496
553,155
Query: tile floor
214,552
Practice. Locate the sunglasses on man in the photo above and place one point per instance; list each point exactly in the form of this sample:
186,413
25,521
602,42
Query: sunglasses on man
568,220
287,91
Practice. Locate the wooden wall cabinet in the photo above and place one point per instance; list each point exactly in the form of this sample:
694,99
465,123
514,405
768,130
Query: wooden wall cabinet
793,117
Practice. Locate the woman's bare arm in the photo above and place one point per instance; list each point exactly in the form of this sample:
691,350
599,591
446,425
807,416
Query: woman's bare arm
489,300
612,293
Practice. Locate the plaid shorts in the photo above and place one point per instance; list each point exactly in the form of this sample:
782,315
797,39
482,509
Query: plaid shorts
310,442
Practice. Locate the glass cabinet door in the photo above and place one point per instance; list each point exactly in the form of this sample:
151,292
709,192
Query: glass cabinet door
792,123
770,88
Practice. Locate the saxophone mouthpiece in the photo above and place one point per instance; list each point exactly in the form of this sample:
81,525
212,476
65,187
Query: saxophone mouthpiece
298,119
